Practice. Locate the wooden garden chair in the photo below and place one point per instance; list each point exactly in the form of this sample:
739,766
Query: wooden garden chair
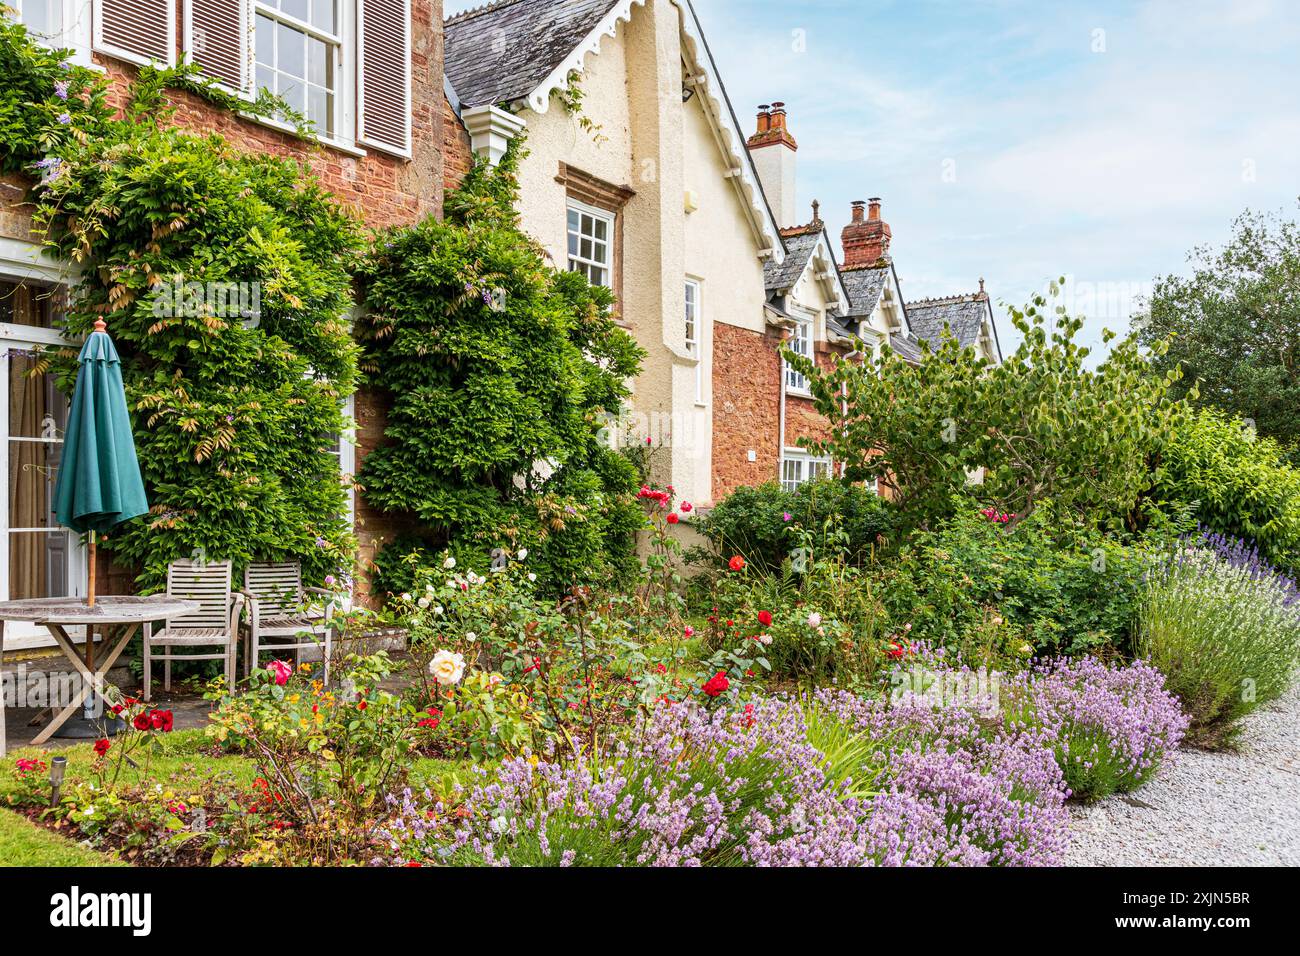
285,616
215,625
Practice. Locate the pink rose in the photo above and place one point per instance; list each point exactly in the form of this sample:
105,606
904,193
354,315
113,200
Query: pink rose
282,672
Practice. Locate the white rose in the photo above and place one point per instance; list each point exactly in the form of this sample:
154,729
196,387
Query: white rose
429,588
449,563
765,639
471,637
423,602
437,609
814,619
447,667
406,596
531,576
523,554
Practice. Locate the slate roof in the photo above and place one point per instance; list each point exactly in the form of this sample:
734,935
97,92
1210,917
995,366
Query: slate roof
964,314
778,277
865,287
503,51
906,347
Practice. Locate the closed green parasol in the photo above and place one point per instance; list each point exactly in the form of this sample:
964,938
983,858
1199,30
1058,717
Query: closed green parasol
99,484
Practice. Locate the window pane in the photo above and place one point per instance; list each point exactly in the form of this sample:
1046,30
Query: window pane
264,34
265,78
573,220
600,228
322,15
36,408
296,8
291,51
318,62
295,95
32,469
41,17
30,304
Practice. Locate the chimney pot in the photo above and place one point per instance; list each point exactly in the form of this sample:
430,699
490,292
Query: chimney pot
865,240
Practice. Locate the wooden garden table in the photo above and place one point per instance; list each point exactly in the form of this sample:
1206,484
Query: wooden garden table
116,617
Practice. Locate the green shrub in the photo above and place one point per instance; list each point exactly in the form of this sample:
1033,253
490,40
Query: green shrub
502,371
759,523
1045,584
1224,628
1242,485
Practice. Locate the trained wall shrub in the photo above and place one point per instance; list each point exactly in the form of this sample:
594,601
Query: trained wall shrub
235,409
502,371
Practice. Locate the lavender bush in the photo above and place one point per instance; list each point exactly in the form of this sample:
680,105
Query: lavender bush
827,781
1109,727
1224,627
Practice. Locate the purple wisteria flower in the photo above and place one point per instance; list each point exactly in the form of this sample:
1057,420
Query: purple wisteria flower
61,89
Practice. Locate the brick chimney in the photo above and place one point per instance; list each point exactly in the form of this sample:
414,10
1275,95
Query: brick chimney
773,151
865,240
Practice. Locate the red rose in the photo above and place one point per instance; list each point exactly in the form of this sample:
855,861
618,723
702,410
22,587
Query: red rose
765,618
142,721
101,747
737,563
672,518
895,650
686,506
716,684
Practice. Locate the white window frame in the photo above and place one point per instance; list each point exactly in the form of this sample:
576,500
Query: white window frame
22,261
604,215
347,455
801,343
77,17
694,332
341,43
129,55
806,466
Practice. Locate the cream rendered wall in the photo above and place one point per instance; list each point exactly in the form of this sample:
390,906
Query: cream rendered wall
649,141
722,254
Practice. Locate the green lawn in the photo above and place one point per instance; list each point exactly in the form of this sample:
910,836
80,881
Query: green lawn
183,758
22,843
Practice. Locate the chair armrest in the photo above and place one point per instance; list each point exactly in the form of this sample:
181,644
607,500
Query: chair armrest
237,608
249,598
322,591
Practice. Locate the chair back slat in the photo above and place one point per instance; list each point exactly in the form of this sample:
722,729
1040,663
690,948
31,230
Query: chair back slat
277,585
208,583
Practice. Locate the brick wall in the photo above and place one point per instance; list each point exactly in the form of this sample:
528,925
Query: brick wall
746,407
456,157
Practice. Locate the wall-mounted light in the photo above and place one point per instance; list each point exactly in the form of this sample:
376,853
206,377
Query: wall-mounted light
687,93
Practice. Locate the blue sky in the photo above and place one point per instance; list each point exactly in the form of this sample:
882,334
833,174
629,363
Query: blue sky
1019,139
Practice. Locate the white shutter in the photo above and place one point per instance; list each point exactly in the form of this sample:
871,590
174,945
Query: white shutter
136,30
217,39
384,75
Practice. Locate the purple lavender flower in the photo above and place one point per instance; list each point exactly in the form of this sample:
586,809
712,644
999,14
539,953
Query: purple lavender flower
1110,727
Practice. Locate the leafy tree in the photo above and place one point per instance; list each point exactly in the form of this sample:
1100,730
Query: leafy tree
1234,325
1042,425
501,370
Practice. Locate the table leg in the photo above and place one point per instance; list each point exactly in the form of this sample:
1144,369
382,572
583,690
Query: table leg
89,679
3,749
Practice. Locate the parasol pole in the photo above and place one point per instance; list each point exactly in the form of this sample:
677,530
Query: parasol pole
90,592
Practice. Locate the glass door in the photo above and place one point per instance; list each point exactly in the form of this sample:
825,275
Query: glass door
38,558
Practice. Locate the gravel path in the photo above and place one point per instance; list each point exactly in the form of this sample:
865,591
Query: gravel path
1206,809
